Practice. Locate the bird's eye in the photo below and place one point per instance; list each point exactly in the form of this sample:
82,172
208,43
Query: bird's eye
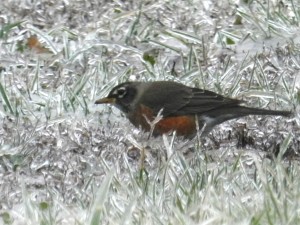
121,92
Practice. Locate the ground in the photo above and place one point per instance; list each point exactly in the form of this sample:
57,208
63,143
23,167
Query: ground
64,160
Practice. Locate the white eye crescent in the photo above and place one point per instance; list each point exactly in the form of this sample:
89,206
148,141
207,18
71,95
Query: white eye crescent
120,92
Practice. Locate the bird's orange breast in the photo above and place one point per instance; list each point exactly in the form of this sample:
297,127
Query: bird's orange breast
183,125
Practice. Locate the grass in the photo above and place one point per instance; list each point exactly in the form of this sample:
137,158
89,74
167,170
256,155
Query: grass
264,192
65,161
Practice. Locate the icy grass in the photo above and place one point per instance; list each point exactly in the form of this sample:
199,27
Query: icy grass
65,161
266,192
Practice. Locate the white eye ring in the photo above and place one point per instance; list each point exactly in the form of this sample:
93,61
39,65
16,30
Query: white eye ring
121,92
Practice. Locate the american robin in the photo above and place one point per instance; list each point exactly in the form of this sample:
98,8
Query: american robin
184,109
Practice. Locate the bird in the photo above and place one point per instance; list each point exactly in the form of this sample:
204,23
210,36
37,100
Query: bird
180,108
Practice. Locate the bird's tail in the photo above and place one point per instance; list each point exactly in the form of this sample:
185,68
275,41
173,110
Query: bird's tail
220,115
242,110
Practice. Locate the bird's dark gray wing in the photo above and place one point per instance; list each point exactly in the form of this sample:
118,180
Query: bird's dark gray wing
202,101
177,99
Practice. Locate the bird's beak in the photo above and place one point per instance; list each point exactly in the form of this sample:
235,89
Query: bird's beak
105,101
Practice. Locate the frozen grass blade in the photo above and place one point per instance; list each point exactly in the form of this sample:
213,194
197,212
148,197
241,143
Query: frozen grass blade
181,35
127,216
253,20
6,99
230,35
284,147
78,87
296,10
30,213
160,44
4,31
98,208
35,81
133,29
238,76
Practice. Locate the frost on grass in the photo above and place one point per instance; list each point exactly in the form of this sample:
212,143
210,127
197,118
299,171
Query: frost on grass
63,159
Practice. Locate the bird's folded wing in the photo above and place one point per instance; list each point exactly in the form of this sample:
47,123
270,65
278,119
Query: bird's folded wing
178,99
